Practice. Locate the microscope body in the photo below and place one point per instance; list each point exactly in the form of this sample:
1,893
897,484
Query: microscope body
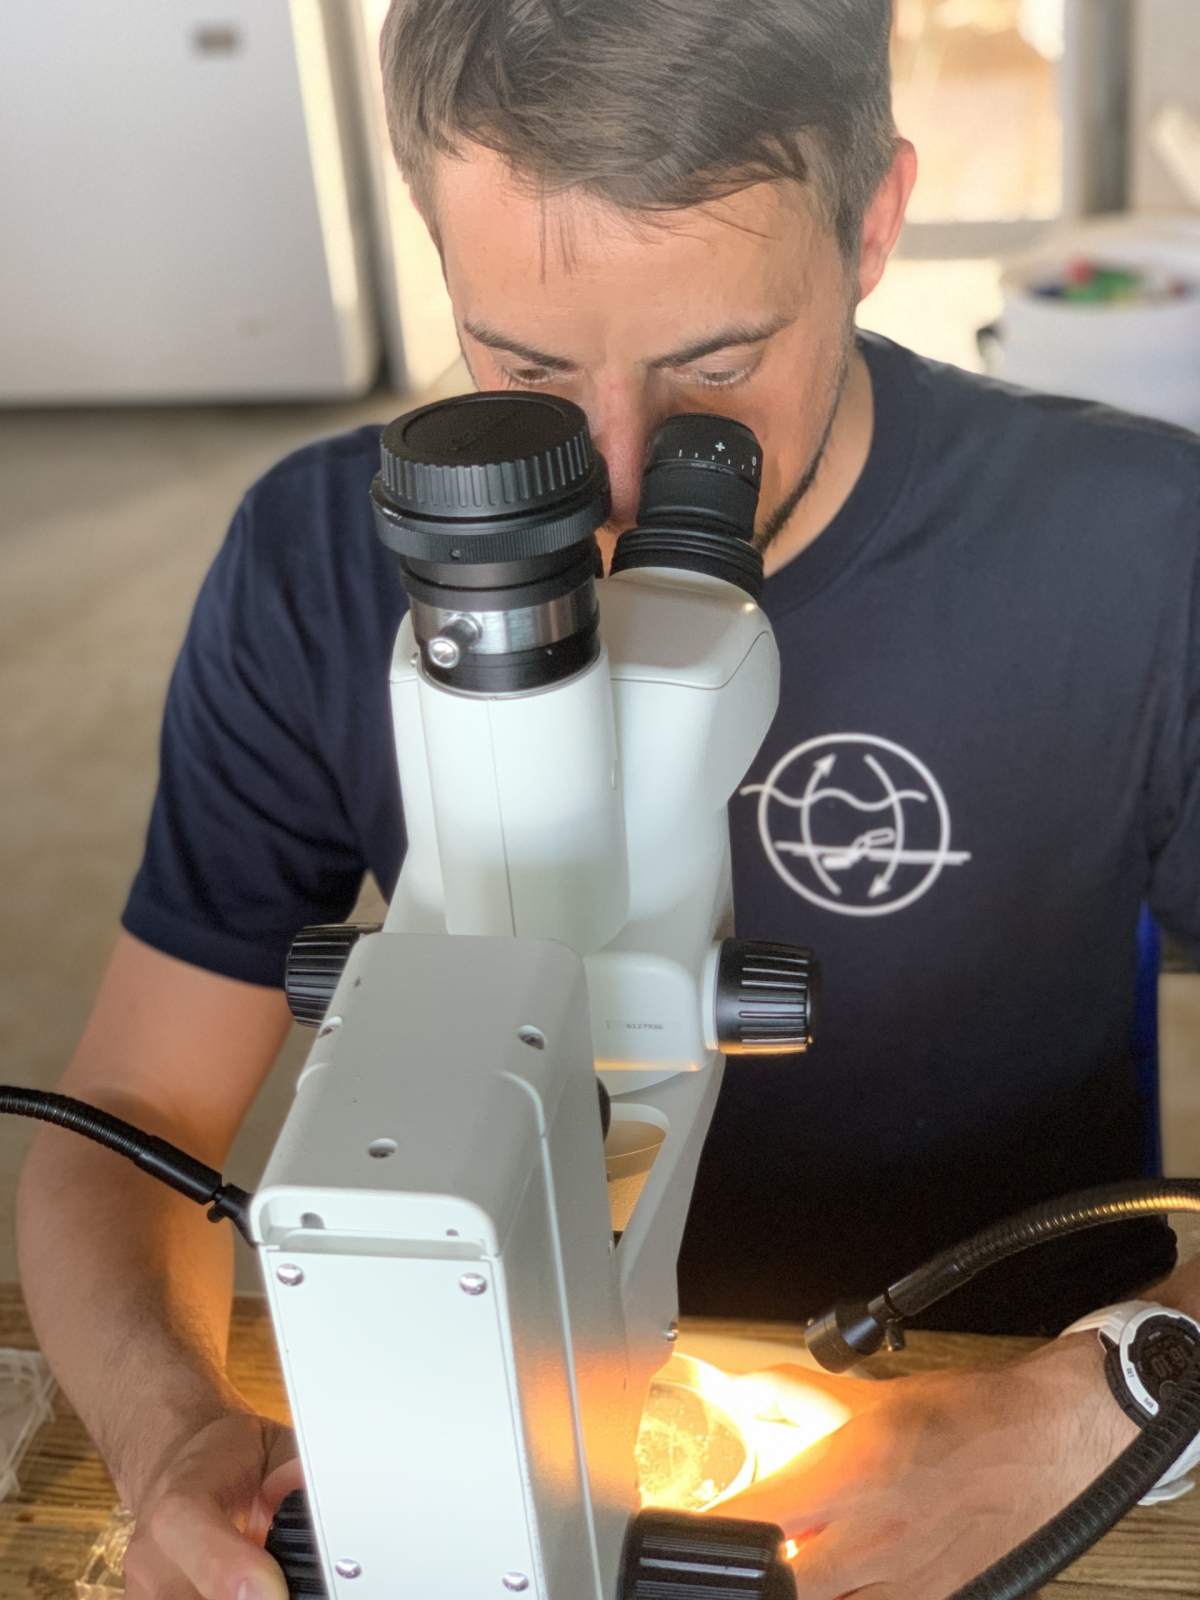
466,1343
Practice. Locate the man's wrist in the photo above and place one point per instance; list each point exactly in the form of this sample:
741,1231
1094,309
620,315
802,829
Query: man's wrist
160,1425
1068,1386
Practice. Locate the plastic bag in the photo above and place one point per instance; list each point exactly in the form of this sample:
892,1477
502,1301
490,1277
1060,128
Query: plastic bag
103,1577
26,1401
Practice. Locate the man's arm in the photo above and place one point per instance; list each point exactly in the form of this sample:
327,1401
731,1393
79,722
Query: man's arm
129,1284
936,1476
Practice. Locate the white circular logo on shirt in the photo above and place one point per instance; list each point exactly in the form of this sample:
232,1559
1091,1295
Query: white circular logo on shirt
856,824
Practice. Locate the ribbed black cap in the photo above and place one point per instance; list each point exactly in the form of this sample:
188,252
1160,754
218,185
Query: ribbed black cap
493,477
766,998
315,963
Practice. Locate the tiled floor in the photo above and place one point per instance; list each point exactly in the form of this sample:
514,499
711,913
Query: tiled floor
108,520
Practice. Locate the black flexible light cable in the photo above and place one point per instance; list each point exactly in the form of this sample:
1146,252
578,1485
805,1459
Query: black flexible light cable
161,1160
1092,1514
857,1328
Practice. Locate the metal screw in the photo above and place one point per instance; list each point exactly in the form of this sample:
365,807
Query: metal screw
444,652
459,633
473,1283
347,1569
671,1332
290,1275
515,1581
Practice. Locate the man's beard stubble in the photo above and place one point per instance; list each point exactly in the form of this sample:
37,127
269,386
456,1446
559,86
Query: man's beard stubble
779,518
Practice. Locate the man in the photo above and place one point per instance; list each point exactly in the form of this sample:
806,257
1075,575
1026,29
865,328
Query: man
984,761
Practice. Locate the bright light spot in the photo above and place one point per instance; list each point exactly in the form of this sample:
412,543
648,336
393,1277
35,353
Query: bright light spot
1043,24
706,1435
790,1549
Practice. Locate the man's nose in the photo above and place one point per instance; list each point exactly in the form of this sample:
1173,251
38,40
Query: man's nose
620,429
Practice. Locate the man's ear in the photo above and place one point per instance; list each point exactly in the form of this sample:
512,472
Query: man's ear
885,217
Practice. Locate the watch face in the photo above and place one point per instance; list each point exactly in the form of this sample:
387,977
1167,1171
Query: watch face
1160,1352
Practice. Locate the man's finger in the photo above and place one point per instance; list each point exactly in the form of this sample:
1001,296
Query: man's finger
195,1534
275,1490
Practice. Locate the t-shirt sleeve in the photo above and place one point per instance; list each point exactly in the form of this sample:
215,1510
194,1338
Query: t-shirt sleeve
1174,894
250,837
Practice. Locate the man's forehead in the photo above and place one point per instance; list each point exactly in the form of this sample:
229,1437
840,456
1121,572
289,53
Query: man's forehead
485,207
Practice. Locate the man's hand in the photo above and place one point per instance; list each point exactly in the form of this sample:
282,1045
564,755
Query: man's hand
129,1285
936,1476
202,1520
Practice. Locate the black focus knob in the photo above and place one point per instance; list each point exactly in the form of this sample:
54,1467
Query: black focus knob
489,478
671,1555
315,963
292,1543
766,998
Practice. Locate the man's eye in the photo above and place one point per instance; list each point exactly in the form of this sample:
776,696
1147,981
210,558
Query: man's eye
529,377
723,378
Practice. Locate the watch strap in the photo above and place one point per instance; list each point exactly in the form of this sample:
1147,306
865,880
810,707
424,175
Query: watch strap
1110,1324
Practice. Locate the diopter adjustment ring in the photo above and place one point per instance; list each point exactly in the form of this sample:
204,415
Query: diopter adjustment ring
671,1555
765,998
315,964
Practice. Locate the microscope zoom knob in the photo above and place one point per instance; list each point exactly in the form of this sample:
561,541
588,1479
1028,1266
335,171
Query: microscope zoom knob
765,998
674,1555
292,1543
315,963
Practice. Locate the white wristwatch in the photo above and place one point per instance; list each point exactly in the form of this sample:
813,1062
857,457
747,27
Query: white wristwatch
1146,1347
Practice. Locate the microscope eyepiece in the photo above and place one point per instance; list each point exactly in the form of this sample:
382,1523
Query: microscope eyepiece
492,480
699,498
492,502
702,468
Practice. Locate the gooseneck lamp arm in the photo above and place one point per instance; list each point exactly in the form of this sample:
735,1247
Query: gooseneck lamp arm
164,1161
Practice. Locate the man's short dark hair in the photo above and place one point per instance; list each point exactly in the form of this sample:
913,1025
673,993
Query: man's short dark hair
651,105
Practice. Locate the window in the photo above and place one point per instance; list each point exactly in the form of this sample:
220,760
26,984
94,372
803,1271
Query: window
976,88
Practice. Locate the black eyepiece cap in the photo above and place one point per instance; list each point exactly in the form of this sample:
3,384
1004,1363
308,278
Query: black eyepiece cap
489,478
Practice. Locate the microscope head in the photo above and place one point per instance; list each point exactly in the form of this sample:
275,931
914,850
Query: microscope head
492,502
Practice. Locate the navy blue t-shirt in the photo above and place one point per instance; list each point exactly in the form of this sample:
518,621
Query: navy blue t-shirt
986,758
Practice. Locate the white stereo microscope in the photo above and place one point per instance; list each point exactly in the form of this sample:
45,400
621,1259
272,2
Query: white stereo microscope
467,1317
466,1343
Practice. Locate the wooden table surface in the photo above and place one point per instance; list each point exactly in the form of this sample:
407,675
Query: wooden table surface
66,1496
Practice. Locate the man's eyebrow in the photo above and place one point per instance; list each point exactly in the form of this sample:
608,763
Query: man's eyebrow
738,333
729,338
495,340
